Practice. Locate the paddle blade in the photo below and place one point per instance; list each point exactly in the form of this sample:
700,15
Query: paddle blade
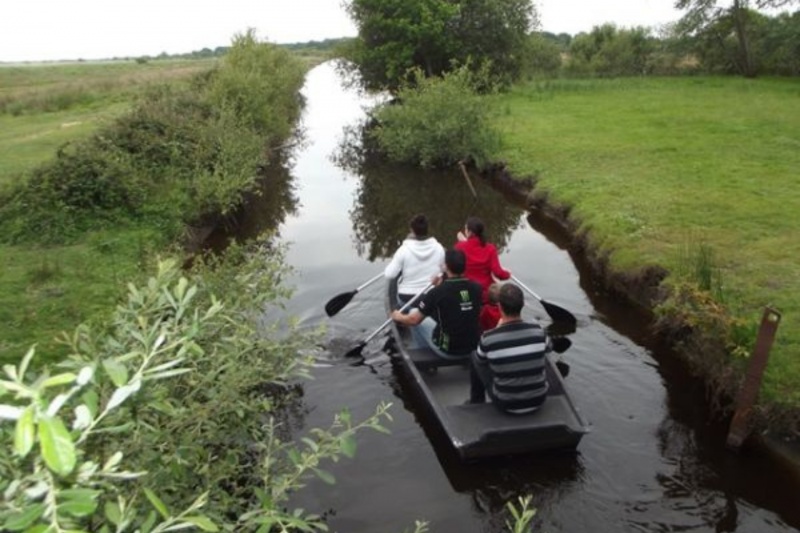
563,368
560,344
338,302
356,351
558,313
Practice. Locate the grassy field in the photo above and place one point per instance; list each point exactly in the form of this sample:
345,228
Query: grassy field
652,166
46,290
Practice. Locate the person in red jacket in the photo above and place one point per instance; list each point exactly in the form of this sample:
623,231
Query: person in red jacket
482,260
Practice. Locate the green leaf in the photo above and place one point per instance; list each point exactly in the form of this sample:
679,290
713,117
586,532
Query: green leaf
112,513
61,379
23,366
348,444
92,401
149,523
202,522
294,456
58,449
116,371
157,503
325,476
24,435
25,518
78,508
79,494
41,528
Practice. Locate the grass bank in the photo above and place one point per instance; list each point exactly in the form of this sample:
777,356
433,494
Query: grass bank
655,167
152,151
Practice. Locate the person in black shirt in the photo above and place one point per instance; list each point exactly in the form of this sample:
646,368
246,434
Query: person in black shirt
449,312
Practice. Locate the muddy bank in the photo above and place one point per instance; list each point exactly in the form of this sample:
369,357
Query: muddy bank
642,291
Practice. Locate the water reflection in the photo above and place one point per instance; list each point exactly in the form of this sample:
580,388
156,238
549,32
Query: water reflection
389,195
263,209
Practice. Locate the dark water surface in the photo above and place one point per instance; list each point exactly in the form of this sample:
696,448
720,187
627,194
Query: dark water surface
654,461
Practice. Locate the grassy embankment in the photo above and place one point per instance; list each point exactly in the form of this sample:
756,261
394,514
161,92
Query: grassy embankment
653,166
71,275
44,290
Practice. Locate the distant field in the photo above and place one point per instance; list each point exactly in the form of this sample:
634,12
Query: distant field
652,165
44,106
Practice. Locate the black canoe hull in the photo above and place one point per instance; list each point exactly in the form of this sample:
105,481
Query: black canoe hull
478,431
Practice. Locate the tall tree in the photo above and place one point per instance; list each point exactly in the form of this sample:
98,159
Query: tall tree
396,35
702,14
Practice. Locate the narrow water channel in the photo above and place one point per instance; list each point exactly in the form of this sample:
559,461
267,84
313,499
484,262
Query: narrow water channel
653,462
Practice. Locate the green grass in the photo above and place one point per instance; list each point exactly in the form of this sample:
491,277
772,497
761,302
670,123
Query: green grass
27,140
650,165
44,291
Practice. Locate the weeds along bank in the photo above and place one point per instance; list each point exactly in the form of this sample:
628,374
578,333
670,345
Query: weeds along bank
87,219
697,176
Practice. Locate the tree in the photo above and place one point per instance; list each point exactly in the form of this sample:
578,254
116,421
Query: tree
395,36
702,15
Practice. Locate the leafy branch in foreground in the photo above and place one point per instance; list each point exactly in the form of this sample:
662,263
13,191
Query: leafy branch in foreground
176,396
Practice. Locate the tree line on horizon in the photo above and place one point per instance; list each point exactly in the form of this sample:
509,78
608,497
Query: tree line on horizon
395,37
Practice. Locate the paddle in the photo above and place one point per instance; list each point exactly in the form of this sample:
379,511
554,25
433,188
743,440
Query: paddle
556,312
561,345
356,351
338,302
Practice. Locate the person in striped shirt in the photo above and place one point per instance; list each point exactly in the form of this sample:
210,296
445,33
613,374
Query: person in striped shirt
510,362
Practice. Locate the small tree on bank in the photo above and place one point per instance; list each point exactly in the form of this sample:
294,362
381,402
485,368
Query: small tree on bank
437,122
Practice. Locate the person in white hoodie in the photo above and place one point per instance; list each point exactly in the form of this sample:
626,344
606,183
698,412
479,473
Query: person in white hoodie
418,260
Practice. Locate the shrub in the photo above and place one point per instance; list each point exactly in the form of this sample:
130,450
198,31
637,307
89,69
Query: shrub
437,122
260,83
610,51
543,56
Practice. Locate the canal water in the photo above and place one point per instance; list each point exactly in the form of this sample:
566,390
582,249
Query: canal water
654,461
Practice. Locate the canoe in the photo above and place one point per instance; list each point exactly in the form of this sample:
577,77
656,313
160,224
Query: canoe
482,430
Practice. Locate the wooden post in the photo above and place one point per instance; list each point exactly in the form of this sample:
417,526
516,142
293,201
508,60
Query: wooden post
748,394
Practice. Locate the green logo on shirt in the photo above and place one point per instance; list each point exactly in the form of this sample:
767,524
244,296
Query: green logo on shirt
465,296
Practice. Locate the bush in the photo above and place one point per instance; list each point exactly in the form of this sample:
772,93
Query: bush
609,51
260,83
437,122
543,56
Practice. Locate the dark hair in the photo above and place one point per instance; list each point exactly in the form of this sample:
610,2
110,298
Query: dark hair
419,225
455,261
494,292
511,299
476,227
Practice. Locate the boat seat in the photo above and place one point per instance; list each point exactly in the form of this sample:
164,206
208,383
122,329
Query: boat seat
425,359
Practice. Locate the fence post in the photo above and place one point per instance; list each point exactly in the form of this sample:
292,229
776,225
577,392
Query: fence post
748,394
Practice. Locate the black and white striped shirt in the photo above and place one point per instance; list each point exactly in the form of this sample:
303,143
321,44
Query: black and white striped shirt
515,354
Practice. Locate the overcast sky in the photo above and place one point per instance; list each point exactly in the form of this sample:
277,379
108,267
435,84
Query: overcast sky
70,29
